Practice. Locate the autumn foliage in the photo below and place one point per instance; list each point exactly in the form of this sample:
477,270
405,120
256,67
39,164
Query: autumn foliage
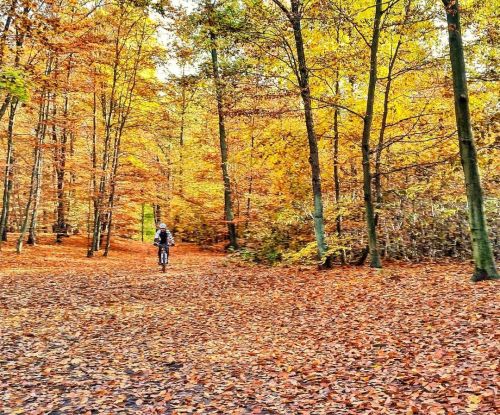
286,144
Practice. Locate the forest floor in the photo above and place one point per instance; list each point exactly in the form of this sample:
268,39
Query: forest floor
213,336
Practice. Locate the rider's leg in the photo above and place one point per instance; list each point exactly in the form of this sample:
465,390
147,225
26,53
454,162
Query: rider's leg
159,255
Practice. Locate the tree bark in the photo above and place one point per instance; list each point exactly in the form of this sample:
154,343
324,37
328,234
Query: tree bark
336,175
142,222
336,139
9,172
365,142
250,179
485,267
60,161
33,197
228,204
305,92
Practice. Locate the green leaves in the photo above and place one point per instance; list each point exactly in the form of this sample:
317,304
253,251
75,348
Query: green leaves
13,81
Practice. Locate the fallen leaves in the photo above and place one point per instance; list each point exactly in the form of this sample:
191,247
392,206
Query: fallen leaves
211,339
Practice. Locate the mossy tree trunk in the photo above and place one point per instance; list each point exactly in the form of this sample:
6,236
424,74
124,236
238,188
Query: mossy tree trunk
485,267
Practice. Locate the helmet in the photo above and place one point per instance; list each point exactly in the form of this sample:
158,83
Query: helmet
163,226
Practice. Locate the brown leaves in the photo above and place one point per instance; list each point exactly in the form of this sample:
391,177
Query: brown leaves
213,339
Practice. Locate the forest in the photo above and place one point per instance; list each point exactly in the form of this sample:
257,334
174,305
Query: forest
323,129
328,169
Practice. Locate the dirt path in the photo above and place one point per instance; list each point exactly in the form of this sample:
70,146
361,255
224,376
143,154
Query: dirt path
115,336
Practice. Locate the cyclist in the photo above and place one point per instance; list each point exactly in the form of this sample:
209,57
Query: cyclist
165,238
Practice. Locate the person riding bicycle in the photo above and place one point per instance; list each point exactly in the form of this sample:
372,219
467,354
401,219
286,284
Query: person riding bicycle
163,237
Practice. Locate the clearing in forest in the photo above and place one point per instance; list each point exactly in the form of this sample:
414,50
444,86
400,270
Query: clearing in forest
212,336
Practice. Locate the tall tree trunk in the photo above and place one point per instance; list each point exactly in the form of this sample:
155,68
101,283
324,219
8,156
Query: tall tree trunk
36,197
484,261
228,204
336,175
95,223
60,160
142,222
336,139
303,79
157,214
383,126
9,171
365,143
181,132
111,201
38,172
250,179
108,112
30,212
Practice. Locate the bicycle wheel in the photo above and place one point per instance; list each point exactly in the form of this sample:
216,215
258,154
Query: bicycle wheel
164,260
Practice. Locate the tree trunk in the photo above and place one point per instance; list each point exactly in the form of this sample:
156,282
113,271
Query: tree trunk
4,106
142,222
9,172
35,175
383,126
228,204
303,79
111,202
250,179
484,261
36,197
365,143
60,161
157,214
181,133
336,176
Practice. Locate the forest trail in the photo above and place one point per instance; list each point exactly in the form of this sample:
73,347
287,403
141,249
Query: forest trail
212,336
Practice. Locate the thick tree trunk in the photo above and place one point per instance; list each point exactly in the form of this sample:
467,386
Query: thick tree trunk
485,267
303,79
228,204
9,169
365,143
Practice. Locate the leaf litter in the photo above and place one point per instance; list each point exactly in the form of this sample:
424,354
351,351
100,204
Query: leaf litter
116,336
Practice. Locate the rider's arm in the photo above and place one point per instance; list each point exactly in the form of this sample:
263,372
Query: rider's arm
170,238
157,236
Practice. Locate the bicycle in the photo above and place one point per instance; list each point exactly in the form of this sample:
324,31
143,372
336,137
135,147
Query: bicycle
164,254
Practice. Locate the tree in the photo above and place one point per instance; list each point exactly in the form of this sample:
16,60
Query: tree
484,261
294,16
228,203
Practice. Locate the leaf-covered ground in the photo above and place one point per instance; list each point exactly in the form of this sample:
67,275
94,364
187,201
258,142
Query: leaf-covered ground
115,336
